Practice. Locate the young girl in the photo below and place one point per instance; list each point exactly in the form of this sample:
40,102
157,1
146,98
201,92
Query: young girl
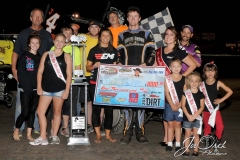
27,77
192,105
211,113
104,46
174,84
53,84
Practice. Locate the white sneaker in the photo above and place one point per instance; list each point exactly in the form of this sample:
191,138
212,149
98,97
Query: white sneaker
36,132
55,140
64,131
51,133
20,134
90,129
102,133
39,141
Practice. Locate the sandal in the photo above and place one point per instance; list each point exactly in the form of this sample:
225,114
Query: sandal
111,139
15,138
195,153
185,154
98,140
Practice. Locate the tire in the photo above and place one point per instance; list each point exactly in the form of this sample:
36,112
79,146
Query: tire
11,99
118,121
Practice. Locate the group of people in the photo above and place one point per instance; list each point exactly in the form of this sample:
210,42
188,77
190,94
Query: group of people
192,99
43,69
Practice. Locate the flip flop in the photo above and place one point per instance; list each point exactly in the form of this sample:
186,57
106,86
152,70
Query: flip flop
97,140
15,138
111,139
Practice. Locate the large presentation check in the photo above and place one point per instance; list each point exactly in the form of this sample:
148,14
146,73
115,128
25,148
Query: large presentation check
130,86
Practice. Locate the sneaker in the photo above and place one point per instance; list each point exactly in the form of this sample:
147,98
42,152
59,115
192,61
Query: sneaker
163,144
20,134
142,139
102,133
39,141
169,148
125,139
51,133
177,148
55,140
36,132
90,129
64,132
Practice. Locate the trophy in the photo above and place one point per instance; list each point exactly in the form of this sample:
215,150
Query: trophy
78,75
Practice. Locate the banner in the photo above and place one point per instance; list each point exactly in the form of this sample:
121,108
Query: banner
130,86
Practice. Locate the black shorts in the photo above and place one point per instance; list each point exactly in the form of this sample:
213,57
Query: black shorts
82,91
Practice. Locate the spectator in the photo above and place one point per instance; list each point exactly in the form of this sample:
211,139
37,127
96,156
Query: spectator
36,17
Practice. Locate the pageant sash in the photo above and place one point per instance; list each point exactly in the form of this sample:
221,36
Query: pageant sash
173,93
160,61
213,112
55,65
207,100
212,118
193,108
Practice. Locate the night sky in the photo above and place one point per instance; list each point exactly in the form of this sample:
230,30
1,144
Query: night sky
220,18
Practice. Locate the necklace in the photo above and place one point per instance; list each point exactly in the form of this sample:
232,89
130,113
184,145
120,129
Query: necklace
104,51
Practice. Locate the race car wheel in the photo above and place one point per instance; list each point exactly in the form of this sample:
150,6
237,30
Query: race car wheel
118,121
10,99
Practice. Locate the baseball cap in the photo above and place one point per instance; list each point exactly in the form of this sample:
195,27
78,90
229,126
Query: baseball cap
188,26
109,12
94,22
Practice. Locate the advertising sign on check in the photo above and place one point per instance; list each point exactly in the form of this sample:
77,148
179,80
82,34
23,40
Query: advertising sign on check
130,86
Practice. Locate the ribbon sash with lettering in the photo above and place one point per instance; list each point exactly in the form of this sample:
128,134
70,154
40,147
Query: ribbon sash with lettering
173,93
209,106
55,65
160,61
193,108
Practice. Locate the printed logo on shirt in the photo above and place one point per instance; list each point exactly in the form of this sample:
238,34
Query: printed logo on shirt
29,64
104,56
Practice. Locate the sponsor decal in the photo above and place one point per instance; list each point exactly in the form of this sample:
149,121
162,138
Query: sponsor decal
107,94
133,97
106,99
109,70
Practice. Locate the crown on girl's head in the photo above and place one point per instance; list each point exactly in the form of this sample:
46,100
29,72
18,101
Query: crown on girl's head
211,63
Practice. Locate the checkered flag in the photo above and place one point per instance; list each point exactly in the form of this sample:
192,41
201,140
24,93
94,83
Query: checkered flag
157,24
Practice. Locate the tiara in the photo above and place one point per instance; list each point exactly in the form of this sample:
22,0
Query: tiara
210,63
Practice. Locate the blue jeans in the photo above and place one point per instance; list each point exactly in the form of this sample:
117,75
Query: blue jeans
18,112
53,94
